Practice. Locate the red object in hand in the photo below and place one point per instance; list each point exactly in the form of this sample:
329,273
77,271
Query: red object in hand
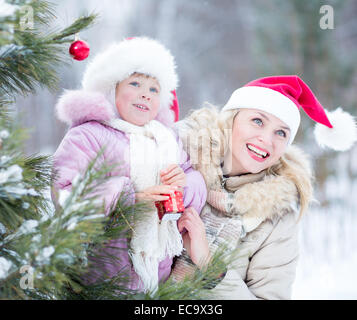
172,208
79,50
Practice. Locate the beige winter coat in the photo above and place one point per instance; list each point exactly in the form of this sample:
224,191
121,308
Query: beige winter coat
268,251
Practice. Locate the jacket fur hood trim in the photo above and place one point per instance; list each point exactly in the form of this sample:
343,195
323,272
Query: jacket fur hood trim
75,107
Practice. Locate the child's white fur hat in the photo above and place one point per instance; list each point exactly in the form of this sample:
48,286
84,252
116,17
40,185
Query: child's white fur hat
122,59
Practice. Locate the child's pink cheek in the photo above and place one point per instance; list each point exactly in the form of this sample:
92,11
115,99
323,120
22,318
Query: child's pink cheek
128,96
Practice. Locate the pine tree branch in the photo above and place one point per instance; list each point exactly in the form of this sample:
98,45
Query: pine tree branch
57,247
80,24
30,59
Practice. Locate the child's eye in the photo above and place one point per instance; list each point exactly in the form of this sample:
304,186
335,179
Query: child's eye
258,121
153,89
281,133
134,83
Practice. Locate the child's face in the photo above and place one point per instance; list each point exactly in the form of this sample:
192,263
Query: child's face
137,99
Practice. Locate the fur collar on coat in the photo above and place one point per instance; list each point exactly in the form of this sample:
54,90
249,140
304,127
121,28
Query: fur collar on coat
266,195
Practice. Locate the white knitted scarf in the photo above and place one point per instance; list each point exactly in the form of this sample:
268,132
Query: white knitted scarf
152,148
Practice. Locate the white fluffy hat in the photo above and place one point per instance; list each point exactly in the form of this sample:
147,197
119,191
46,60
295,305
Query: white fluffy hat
122,59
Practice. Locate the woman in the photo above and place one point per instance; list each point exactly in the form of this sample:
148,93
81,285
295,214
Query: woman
258,184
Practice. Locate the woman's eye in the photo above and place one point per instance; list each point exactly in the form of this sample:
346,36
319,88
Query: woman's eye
281,133
134,83
153,89
258,121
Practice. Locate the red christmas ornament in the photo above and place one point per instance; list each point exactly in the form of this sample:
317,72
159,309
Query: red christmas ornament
172,208
79,50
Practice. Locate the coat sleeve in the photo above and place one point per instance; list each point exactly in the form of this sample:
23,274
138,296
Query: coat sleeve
195,192
78,148
271,268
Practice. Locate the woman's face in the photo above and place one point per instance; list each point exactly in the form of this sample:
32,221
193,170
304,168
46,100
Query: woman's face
259,139
137,99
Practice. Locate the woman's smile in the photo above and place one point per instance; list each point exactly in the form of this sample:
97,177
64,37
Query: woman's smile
257,153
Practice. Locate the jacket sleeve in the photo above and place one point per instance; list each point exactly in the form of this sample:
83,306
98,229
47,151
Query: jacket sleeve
271,268
78,148
195,192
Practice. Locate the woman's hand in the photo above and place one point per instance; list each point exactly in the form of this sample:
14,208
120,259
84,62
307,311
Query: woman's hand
173,175
155,193
194,240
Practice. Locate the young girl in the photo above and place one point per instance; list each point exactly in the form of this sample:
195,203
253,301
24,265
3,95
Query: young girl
127,105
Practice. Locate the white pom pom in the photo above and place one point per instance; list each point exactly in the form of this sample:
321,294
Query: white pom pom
343,134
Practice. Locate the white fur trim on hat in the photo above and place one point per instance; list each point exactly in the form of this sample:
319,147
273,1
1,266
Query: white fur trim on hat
343,134
267,100
120,60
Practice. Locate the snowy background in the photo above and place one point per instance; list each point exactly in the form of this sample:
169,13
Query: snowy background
219,46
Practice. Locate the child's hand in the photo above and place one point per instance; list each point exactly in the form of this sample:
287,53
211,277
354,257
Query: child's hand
173,175
155,193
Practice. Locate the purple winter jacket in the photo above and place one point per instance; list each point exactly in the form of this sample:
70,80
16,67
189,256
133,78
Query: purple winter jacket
83,111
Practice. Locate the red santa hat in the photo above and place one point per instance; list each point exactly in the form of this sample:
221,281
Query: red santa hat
141,55
283,96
